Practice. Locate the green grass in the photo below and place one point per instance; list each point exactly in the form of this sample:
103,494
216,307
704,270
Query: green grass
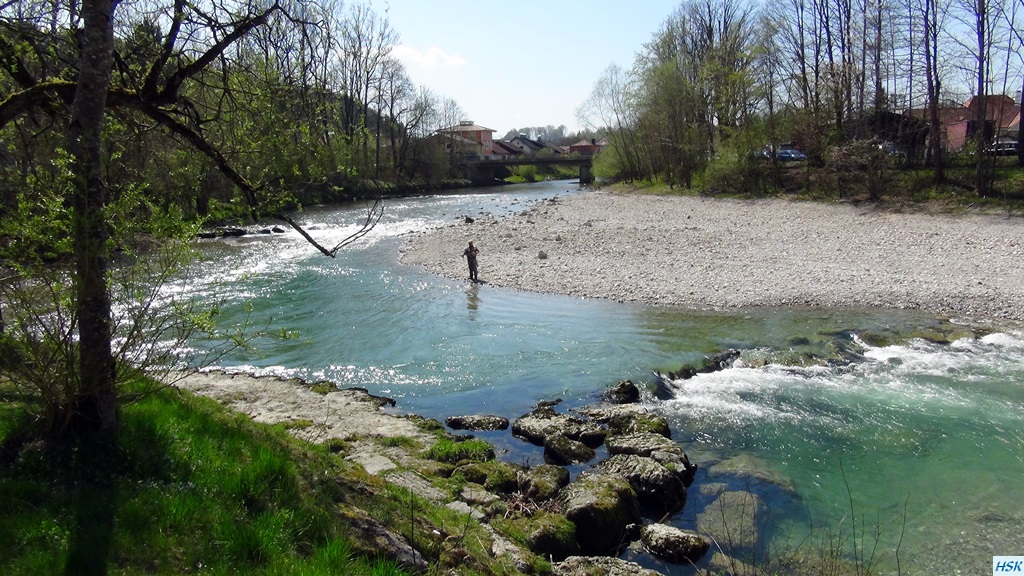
190,487
399,442
901,187
187,487
454,451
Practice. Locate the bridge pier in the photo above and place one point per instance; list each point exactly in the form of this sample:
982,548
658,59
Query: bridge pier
479,174
586,176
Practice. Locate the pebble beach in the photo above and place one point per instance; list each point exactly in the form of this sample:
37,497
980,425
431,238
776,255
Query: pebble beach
705,253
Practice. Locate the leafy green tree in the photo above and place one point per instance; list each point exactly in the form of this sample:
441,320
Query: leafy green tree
611,109
77,97
696,85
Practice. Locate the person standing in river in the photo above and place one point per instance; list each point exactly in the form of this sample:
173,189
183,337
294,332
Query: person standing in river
470,255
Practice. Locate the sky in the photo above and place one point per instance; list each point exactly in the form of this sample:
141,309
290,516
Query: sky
511,65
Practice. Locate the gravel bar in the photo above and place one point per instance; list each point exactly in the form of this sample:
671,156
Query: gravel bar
704,253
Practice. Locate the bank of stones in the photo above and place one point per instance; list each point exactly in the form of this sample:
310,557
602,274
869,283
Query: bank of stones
644,478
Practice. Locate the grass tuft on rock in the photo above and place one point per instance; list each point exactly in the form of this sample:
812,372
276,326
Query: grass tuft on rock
454,451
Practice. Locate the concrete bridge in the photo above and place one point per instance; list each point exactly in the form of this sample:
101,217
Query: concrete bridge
480,169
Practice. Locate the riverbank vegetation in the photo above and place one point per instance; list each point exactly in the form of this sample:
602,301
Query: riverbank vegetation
127,126
722,90
189,487
890,185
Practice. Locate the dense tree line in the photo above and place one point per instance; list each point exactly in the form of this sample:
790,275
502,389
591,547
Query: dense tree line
302,98
129,120
725,80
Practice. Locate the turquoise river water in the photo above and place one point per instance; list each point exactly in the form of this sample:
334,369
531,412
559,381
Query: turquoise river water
915,448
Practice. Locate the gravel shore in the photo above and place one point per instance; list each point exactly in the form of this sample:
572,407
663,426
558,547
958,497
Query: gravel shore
711,253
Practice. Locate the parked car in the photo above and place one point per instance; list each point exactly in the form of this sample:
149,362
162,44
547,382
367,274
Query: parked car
790,155
891,149
1002,149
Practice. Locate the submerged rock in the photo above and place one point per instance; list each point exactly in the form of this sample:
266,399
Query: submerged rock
751,468
733,520
722,563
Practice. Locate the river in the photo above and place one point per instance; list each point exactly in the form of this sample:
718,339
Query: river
921,440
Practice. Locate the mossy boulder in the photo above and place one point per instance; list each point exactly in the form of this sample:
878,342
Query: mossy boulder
543,482
495,475
672,544
600,566
543,421
601,506
627,419
658,489
544,533
653,445
559,449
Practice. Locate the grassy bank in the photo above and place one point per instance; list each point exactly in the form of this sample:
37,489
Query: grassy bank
189,487
890,183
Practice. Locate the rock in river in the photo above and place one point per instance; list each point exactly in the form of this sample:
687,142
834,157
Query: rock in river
601,506
657,489
477,422
673,544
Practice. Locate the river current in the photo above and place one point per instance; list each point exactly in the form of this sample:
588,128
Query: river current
913,447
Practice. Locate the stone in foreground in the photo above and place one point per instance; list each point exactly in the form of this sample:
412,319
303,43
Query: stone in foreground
542,482
477,422
601,506
657,488
561,450
672,544
588,566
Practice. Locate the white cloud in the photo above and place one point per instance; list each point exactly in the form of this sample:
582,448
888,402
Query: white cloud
434,57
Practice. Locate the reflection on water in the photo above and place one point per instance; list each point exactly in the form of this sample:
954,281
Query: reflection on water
814,420
473,300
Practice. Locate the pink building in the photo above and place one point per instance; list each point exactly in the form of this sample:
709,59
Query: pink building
959,123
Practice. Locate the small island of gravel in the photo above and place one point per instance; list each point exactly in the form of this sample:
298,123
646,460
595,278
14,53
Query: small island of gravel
706,253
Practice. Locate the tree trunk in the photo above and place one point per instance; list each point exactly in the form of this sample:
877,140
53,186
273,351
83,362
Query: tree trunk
1020,137
934,87
95,405
981,177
